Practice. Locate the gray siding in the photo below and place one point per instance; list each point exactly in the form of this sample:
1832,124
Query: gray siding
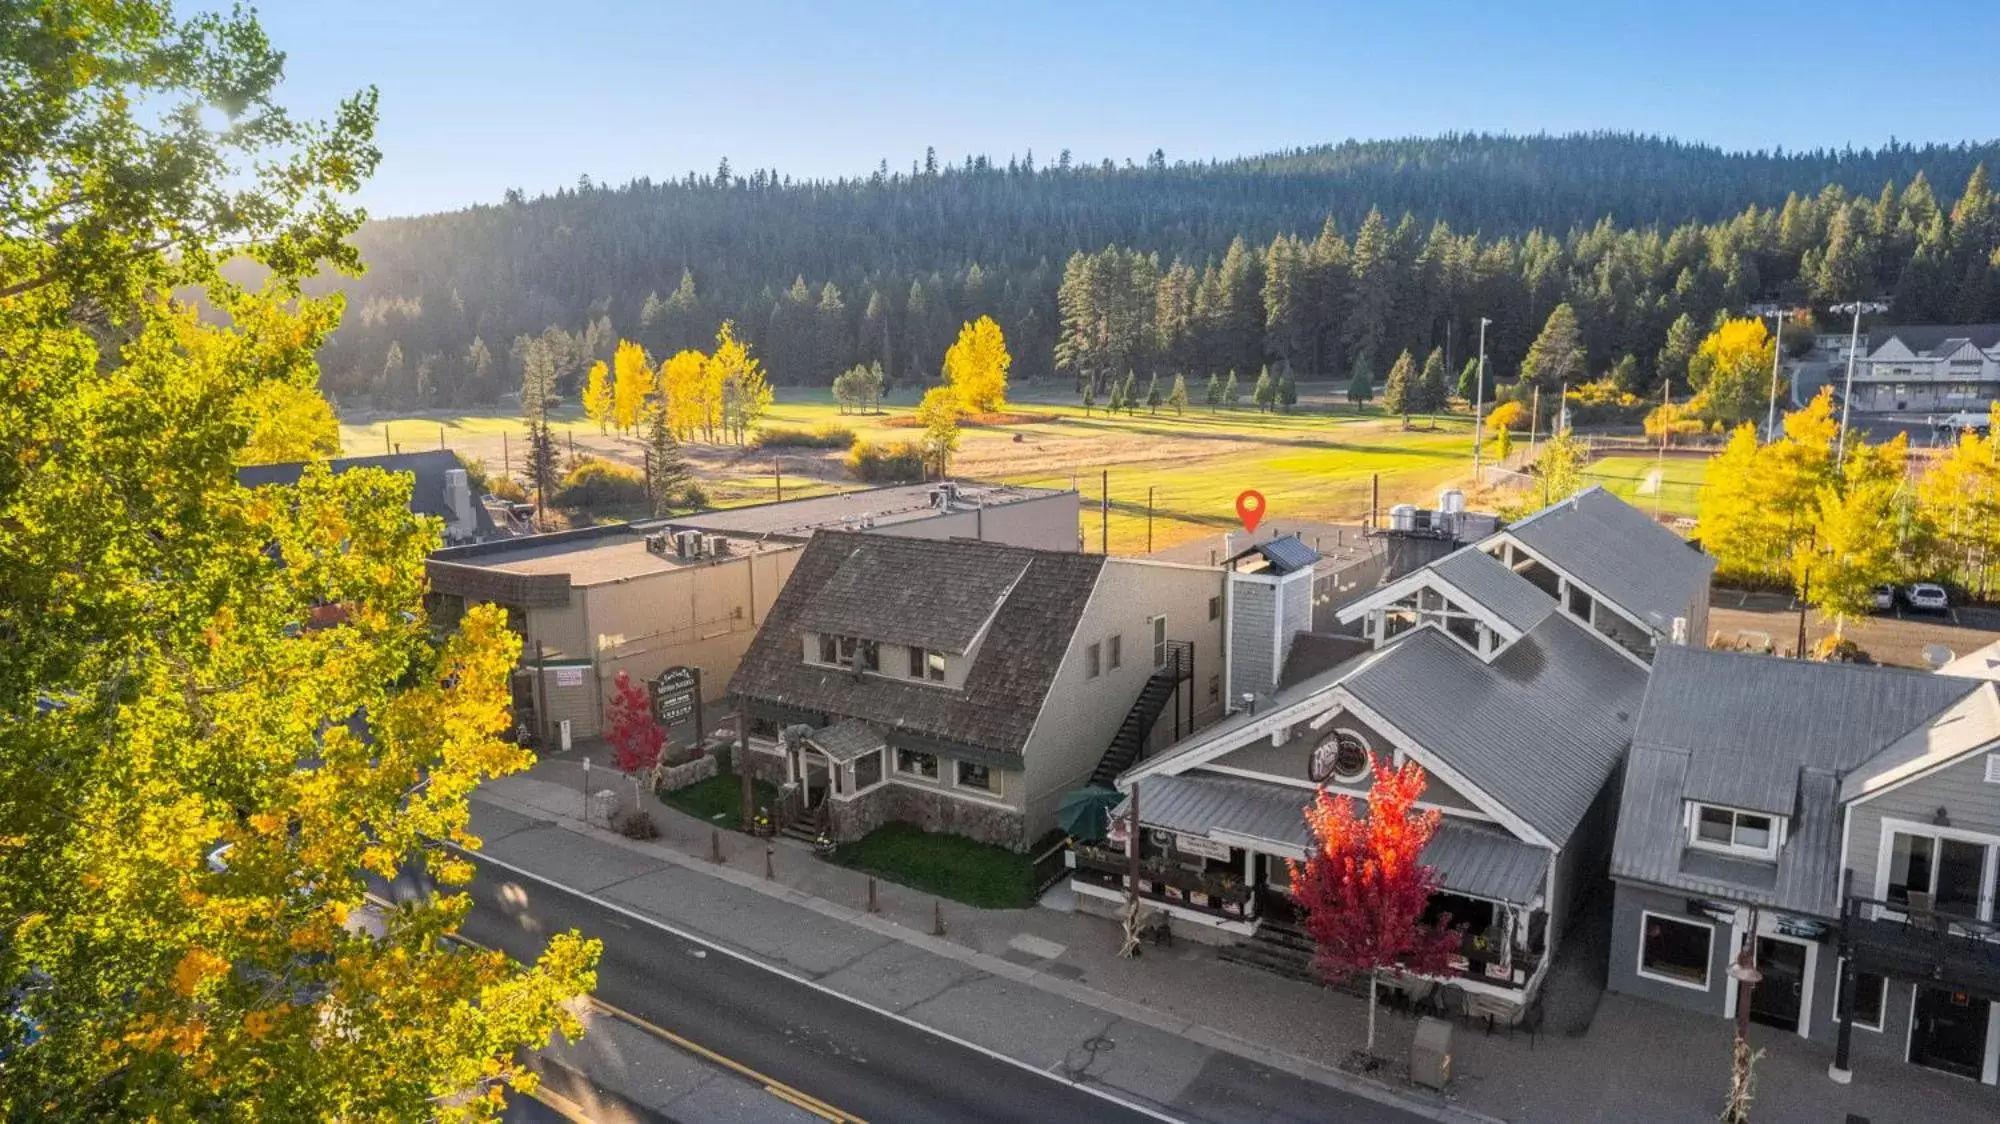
1626,918
1254,605
1959,788
1581,866
1293,760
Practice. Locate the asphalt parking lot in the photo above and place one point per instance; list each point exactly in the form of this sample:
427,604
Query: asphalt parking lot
1739,617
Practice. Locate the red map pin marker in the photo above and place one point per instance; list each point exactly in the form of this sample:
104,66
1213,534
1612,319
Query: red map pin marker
1250,508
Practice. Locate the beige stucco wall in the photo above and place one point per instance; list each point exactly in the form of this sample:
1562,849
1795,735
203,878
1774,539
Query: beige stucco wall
1041,522
1081,714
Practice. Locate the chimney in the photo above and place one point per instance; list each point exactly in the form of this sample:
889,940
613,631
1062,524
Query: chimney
1267,610
464,522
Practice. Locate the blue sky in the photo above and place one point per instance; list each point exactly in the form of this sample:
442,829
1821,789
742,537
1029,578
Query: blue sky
479,98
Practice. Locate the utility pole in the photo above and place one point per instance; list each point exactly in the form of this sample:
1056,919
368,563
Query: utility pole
1479,409
1746,975
1535,418
1777,352
1104,516
1149,519
386,447
1853,345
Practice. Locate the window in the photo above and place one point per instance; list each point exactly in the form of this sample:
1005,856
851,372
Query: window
1870,992
1215,608
867,771
975,776
868,655
829,649
1909,866
1741,833
1159,642
1675,950
1091,662
1342,756
912,763
1114,652
850,651
1948,868
926,664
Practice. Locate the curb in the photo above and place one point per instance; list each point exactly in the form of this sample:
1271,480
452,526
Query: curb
1293,1064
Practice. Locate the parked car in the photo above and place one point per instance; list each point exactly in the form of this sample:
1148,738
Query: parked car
1884,598
1928,597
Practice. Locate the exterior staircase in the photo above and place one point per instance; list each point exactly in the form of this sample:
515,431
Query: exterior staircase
1279,947
1129,743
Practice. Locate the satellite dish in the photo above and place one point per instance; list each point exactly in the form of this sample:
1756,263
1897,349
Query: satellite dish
1937,655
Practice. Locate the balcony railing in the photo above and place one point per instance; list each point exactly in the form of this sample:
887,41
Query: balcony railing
1221,894
1946,948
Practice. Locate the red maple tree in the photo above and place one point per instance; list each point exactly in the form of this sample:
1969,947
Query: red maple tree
1364,889
636,739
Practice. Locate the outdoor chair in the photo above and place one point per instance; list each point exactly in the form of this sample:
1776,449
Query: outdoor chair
1922,912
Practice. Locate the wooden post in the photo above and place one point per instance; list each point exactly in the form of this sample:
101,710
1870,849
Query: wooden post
715,844
1844,995
873,905
743,761
506,468
769,870
937,918
386,447
1149,519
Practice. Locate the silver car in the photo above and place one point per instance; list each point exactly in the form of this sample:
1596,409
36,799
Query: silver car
1928,597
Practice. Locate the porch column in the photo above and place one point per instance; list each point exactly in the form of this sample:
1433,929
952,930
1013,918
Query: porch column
1839,1071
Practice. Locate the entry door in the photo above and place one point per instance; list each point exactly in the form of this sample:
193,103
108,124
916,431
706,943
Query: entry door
1949,1032
1960,865
1776,999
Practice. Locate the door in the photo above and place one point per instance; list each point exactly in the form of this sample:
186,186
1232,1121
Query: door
1960,867
809,770
1949,1032
1776,999
1159,642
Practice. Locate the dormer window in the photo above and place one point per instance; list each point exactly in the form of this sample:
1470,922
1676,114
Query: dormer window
850,651
926,664
1732,831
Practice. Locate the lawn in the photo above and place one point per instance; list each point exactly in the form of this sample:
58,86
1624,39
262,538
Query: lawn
1309,466
1669,485
719,800
950,866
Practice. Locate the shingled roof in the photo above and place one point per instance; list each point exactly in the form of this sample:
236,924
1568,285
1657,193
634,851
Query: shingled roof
874,595
1033,619
1619,551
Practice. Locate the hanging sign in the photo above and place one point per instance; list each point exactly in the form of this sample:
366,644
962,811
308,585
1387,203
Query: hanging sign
677,703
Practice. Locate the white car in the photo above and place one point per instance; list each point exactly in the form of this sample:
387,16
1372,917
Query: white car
1883,598
1928,597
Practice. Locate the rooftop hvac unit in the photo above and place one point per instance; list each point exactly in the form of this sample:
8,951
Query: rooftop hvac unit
1451,501
1403,517
718,546
687,544
660,543
867,520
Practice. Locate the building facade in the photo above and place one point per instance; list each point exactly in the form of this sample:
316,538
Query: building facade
1930,368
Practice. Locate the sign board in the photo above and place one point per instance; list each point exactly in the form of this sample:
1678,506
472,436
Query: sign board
1713,910
677,703
569,677
1804,928
1203,848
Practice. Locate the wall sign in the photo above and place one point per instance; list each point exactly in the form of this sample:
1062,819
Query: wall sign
1804,928
1201,847
677,703
569,677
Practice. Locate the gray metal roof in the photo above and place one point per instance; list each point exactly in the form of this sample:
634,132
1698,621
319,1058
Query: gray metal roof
1766,734
878,595
1470,858
1540,729
1619,551
1499,590
1288,555
1925,339
847,739
427,469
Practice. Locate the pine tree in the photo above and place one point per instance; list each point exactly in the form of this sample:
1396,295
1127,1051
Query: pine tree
542,467
1431,396
1403,394
1153,399
1214,394
1178,397
1231,393
1557,355
1288,389
1116,402
1130,392
1683,338
1361,387
1261,394
1089,398
1468,382
669,475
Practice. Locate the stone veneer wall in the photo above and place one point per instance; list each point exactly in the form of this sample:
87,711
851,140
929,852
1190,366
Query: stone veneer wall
849,820
675,777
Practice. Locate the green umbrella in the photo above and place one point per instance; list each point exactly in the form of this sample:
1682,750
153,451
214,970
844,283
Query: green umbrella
1084,812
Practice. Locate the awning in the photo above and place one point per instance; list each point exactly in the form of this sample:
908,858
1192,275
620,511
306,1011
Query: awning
1471,858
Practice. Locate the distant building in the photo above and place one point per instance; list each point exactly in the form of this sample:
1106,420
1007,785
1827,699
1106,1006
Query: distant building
1930,368
691,591
440,487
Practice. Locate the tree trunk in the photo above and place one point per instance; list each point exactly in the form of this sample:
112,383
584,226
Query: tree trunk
1373,976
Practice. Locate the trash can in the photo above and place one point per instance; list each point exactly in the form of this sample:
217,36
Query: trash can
1430,1053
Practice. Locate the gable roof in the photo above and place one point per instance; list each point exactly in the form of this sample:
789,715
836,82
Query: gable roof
1499,590
426,493
1982,663
1619,551
873,595
1927,339
1009,677
1540,729
1765,734
846,739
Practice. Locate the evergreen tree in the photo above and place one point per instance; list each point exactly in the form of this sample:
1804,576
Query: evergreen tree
1178,397
1431,393
1231,393
668,475
1288,389
1404,392
1683,338
1261,394
1153,399
1089,398
542,467
1361,386
1626,377
1557,355
1129,393
1214,394
1116,402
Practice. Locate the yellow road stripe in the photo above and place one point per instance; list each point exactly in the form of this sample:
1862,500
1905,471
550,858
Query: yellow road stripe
568,1109
776,1088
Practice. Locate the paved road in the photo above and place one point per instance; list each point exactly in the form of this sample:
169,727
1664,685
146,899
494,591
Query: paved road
861,1062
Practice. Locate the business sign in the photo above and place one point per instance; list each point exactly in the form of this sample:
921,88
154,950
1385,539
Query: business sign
1203,848
569,677
677,703
1804,928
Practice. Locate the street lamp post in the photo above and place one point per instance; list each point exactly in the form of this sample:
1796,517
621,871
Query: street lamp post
1777,353
1479,408
1853,344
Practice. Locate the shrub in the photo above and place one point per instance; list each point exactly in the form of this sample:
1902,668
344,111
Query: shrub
595,485
507,488
695,497
1603,403
876,463
791,437
1838,649
637,823
1507,415
475,473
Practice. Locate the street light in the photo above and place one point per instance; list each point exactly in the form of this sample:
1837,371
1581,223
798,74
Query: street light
1777,353
1853,343
1479,408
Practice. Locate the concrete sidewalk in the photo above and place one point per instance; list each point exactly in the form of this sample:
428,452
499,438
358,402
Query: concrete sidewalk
1055,977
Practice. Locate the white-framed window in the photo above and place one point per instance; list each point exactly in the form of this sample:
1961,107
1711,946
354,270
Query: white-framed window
1114,651
1341,756
1871,996
926,664
1093,661
1675,950
867,771
850,651
979,777
1733,831
915,763
1159,642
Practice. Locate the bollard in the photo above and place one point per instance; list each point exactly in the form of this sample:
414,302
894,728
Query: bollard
715,845
937,919
872,907
769,872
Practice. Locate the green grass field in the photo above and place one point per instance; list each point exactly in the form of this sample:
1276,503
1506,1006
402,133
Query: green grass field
950,866
1670,485
1309,466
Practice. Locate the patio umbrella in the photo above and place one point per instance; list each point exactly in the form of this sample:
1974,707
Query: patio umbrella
1083,812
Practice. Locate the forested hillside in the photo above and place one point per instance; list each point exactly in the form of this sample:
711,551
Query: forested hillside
1327,258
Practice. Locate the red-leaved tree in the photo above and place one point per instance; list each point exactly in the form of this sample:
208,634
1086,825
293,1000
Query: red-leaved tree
1364,889
636,739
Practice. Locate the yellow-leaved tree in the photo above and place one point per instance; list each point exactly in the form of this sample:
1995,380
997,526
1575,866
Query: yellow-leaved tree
631,384
289,422
1958,505
690,405
1731,372
736,377
597,398
220,709
976,367
938,413
1762,502
1854,547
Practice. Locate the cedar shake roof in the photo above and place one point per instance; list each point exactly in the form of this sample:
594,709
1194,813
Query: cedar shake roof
1033,619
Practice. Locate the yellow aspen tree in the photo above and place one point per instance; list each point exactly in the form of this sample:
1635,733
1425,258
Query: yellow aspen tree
631,383
976,366
683,383
737,380
597,403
